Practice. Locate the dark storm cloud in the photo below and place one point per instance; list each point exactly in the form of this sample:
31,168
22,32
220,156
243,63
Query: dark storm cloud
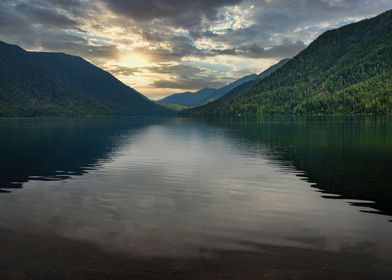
256,29
50,25
74,7
185,77
177,12
284,50
77,45
10,22
188,84
52,14
293,22
233,36
45,15
125,71
180,69
182,76
282,15
45,23
175,49
182,47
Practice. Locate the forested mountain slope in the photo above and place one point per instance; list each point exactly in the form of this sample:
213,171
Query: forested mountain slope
344,71
56,84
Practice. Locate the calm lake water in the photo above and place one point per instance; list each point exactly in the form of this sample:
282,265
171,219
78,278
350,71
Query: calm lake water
179,188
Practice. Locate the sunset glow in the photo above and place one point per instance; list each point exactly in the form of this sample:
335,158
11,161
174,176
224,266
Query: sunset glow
162,47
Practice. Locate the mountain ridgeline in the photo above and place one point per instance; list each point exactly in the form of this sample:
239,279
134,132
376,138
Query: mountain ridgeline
240,88
208,95
205,95
226,89
344,71
55,84
189,98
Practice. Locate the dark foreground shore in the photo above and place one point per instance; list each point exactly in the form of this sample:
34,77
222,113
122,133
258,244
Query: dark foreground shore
25,256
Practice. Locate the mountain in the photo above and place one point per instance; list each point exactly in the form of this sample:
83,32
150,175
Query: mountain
248,85
344,71
174,106
189,98
211,107
226,89
208,95
273,68
205,95
57,84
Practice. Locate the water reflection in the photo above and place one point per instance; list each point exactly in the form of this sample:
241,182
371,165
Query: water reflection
57,149
184,189
181,187
345,158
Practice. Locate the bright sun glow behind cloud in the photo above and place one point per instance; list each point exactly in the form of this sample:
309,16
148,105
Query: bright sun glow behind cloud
162,47
134,60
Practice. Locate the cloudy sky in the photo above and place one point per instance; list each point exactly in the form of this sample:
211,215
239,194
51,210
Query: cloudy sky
166,46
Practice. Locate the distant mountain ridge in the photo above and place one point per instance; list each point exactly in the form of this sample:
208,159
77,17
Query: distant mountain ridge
208,95
241,86
205,95
189,98
57,84
224,90
345,71
248,85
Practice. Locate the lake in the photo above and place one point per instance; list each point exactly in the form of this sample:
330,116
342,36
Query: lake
146,198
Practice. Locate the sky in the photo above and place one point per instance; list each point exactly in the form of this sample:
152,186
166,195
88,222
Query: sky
161,47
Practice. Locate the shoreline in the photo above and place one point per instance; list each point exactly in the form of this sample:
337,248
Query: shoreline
35,257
